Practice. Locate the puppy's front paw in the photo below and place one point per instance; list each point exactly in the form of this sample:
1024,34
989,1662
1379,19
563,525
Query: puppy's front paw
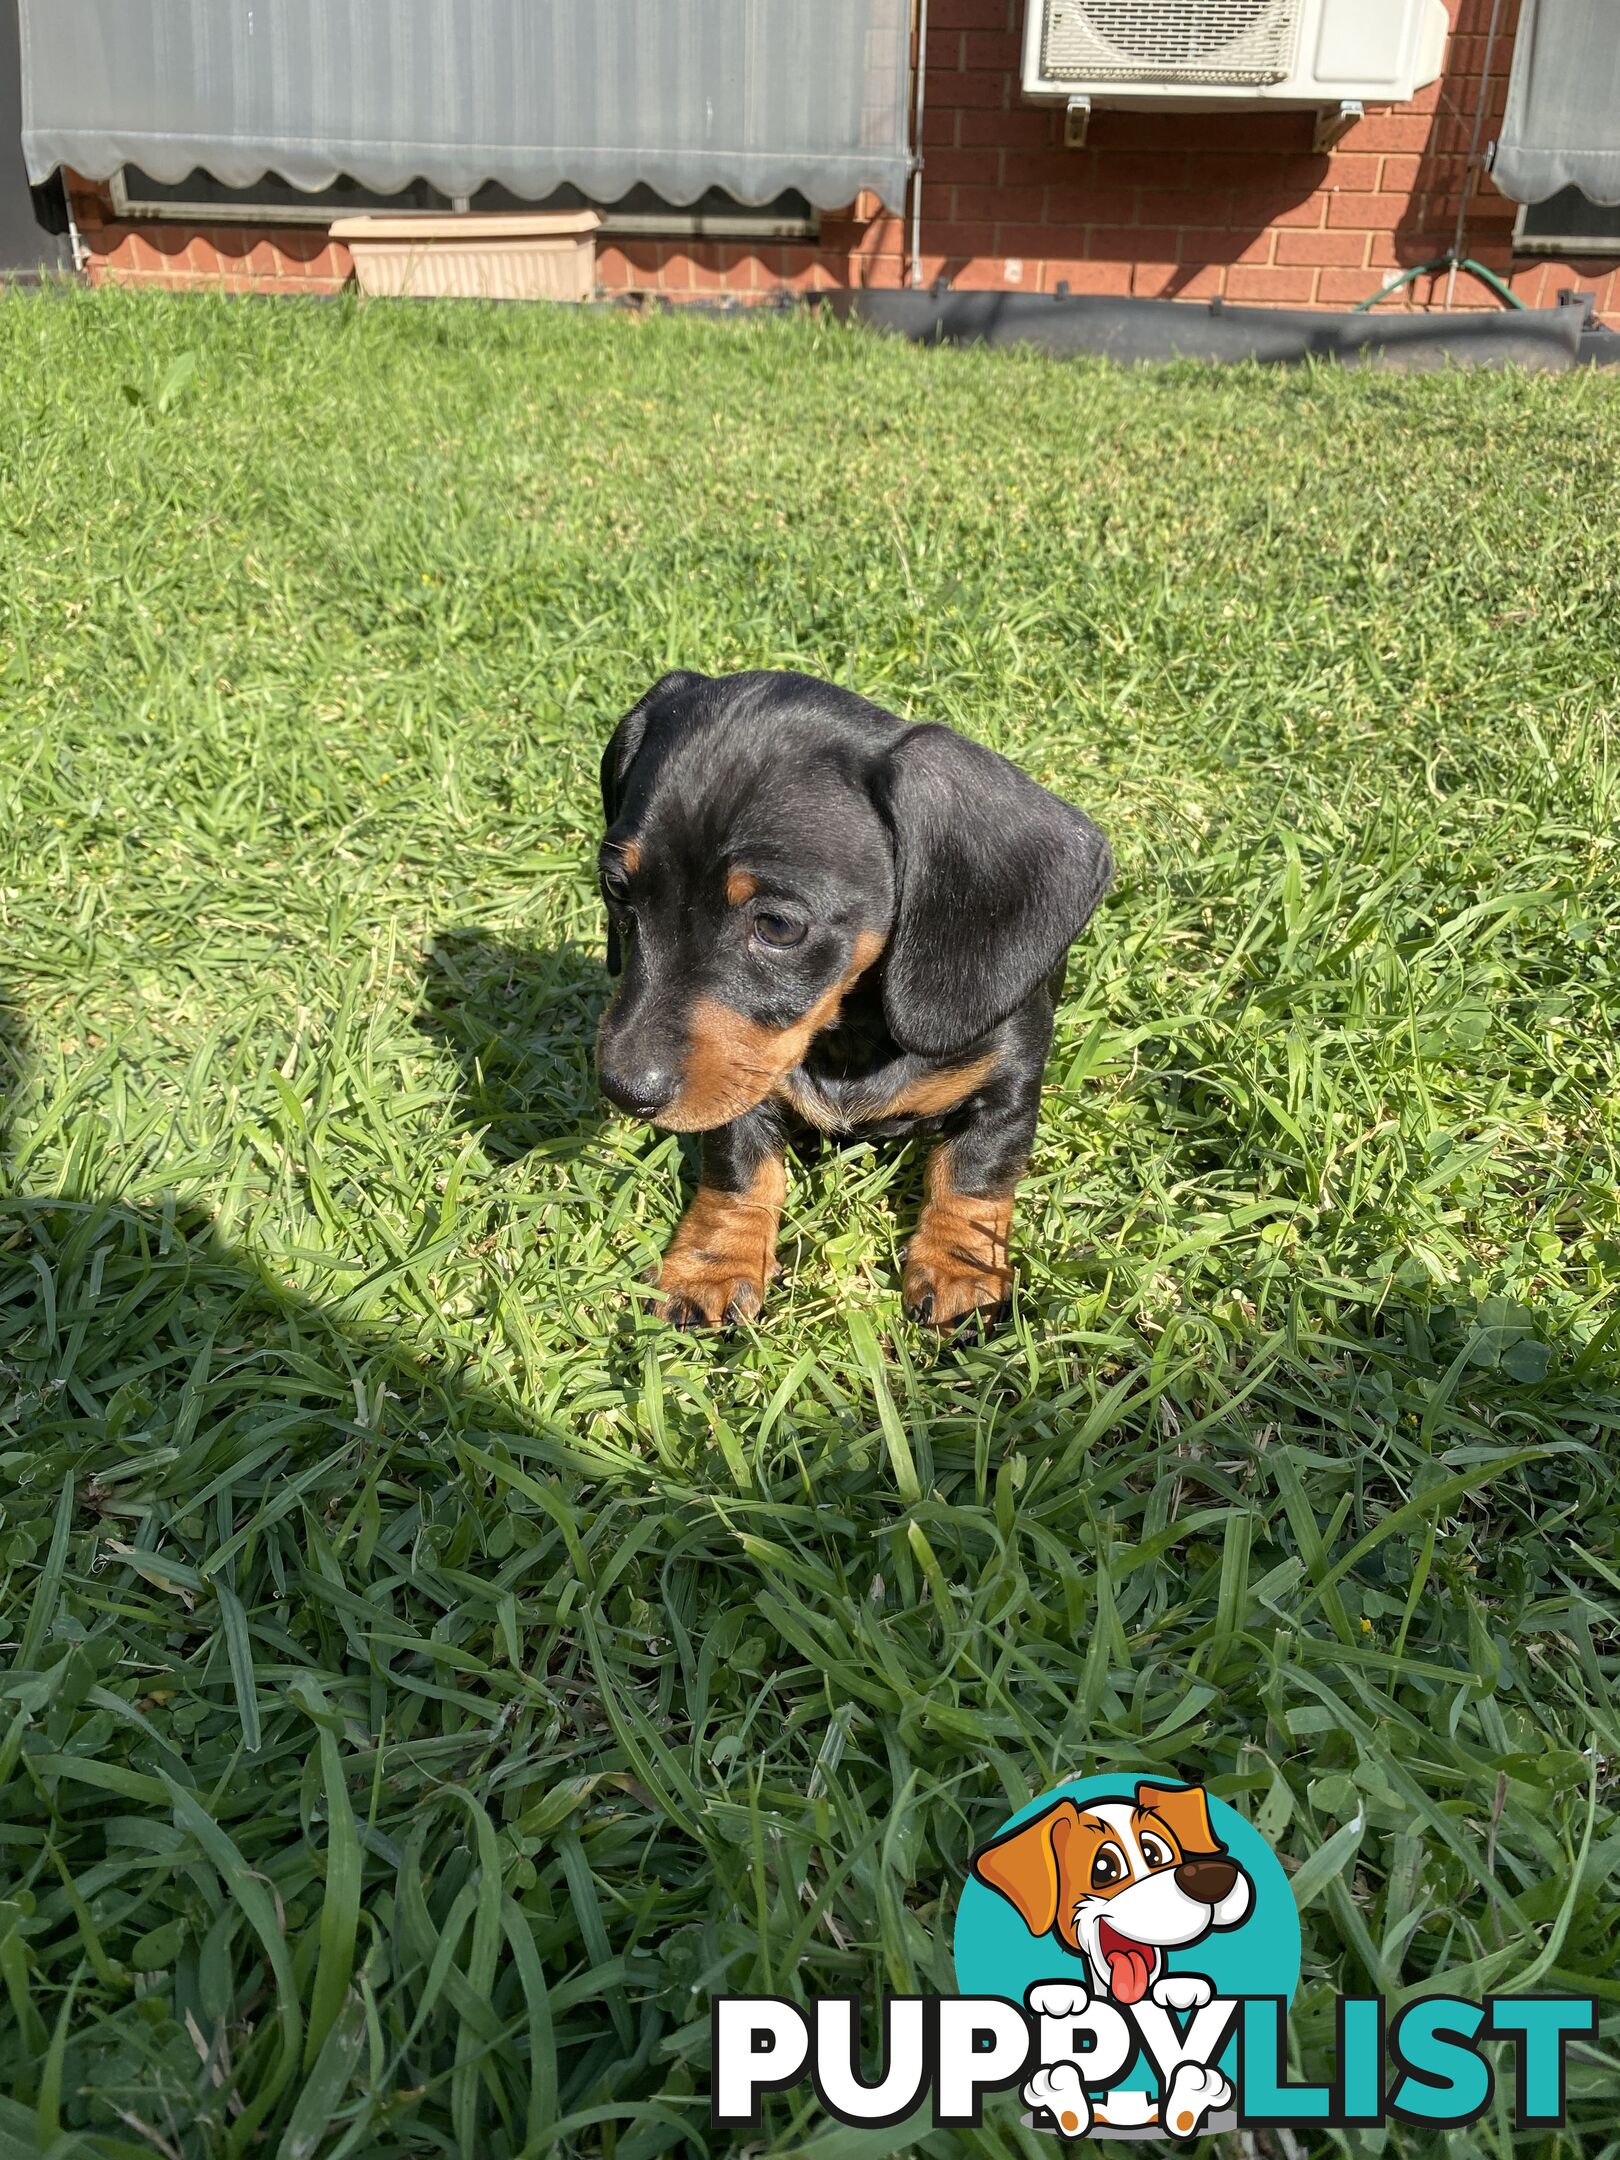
1062,2094
942,1293
1195,2092
956,1265
702,1293
1059,1999
1181,1991
720,1257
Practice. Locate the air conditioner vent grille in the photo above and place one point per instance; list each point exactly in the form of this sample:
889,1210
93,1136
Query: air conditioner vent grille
1212,41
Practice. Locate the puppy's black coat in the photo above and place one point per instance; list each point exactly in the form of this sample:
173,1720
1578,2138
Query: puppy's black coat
820,913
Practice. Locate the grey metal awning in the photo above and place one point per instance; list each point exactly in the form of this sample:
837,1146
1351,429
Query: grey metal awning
753,96
1562,125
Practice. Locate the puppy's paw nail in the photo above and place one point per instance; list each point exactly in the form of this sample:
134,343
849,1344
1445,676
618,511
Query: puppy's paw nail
921,1307
744,1301
1059,1999
1182,1991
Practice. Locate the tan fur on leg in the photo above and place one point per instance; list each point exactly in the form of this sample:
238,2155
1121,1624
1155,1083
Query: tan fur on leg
957,1262
723,1253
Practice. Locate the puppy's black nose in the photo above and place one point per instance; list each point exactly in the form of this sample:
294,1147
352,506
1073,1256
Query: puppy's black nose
641,1090
1206,1880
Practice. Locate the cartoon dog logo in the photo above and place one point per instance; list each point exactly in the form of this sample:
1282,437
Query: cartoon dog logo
1120,1882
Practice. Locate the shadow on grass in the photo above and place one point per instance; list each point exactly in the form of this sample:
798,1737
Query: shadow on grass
376,1751
521,1024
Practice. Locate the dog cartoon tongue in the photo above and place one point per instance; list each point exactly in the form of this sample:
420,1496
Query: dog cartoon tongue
1130,1964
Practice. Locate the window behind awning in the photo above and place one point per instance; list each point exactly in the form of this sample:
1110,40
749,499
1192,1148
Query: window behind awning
1562,125
753,96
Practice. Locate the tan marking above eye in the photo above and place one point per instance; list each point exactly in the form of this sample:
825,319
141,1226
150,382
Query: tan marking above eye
741,885
630,856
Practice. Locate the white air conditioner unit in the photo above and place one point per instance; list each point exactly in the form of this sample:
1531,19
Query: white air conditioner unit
1333,55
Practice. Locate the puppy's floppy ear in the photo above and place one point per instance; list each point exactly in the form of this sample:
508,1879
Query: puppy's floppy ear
623,746
1185,1811
1026,1866
626,739
995,879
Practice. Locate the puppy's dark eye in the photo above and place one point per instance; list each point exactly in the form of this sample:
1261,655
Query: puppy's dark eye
778,931
1107,1869
614,883
1155,1854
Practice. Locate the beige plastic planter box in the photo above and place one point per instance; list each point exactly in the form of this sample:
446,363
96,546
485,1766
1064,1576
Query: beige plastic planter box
527,255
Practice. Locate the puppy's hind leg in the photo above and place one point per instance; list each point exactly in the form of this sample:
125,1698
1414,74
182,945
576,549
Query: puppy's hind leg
723,1252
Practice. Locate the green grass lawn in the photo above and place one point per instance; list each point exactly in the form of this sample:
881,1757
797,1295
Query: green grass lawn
430,1680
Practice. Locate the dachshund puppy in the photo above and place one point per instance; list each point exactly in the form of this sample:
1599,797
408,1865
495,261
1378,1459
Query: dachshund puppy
823,916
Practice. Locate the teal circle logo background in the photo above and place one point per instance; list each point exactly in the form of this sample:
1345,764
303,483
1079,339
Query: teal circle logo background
996,1954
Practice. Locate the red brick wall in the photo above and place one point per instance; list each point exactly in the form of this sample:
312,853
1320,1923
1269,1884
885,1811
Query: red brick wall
1160,205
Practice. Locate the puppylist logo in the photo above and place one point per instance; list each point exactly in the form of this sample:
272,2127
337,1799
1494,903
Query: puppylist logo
1126,1951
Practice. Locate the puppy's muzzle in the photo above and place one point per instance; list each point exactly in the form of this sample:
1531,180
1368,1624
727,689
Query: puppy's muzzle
1206,1880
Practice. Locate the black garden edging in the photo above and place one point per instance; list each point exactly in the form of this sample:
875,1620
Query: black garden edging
1546,339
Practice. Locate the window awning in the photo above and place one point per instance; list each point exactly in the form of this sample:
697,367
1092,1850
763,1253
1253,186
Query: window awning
753,96
1562,125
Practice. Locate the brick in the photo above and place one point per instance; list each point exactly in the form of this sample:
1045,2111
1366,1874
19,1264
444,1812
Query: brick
1133,243
613,269
1367,213
968,15
962,240
1080,206
1353,169
1202,207
1251,210
300,245
1055,168
1399,173
1023,241
1269,173
1344,288
1398,128
964,168
992,49
1023,127
1261,249
1069,270
939,127
980,273
977,91
675,270
1179,281
1137,169
882,236
999,205
1152,280
1273,286
1321,250
1111,279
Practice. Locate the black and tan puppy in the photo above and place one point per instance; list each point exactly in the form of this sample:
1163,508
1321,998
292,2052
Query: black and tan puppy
821,914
